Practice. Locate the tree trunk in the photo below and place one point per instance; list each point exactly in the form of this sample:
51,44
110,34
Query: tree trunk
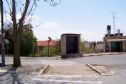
17,31
16,58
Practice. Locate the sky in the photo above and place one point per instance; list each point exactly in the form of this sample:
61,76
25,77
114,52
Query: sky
86,17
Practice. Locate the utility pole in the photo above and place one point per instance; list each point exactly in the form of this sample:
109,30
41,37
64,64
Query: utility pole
2,35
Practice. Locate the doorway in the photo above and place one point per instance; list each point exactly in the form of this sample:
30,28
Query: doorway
116,46
72,44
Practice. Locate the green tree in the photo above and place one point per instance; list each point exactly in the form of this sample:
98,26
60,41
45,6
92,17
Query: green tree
17,30
28,41
25,8
9,49
85,49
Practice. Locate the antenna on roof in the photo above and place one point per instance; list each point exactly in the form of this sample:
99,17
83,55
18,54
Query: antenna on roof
114,21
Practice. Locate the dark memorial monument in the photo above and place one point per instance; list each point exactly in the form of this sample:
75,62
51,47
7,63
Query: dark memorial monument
70,45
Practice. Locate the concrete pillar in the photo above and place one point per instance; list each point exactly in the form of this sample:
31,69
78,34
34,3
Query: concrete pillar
63,45
124,46
109,46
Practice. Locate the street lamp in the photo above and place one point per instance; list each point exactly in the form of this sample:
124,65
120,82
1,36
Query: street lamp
49,40
2,35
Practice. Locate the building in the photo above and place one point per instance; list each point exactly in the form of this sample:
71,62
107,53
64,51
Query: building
99,46
46,43
43,44
70,45
114,42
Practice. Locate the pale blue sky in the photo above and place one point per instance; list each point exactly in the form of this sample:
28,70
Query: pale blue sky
86,17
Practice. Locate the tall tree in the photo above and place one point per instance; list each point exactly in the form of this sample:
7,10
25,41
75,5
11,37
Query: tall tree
26,8
17,31
28,41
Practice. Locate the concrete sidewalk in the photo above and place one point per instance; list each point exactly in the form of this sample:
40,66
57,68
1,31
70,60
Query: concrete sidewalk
105,53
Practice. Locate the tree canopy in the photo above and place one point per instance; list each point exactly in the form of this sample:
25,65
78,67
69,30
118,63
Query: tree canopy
24,8
28,41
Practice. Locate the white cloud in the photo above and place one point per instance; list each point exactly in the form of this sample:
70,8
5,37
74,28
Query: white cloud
56,32
50,24
92,35
33,19
7,18
29,18
48,28
54,29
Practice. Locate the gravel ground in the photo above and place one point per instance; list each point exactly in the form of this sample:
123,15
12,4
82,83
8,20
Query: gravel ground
21,75
29,74
73,69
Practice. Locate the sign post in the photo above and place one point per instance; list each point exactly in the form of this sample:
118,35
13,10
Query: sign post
2,35
48,45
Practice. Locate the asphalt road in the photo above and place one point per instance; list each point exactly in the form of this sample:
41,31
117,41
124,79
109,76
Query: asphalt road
116,62
105,59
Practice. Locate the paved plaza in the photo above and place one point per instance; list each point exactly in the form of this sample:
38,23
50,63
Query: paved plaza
29,72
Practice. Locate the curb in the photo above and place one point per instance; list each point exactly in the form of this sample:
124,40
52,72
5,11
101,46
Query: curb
102,72
51,81
3,70
69,76
44,70
100,54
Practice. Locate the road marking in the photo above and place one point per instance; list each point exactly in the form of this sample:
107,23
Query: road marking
68,81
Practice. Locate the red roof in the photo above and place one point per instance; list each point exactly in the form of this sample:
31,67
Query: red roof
45,43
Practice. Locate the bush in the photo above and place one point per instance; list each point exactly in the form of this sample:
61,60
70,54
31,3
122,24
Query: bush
53,51
85,49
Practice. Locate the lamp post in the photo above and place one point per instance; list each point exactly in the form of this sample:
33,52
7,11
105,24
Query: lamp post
49,40
2,34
